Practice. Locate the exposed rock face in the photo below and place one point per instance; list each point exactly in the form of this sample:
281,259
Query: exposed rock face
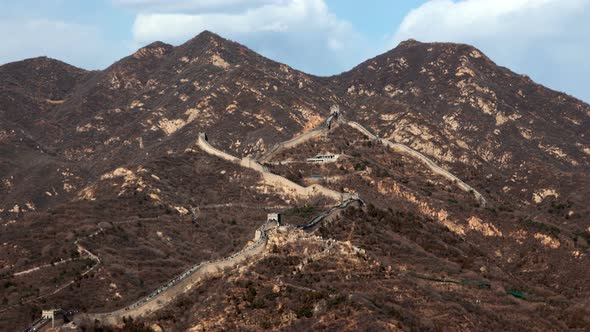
73,140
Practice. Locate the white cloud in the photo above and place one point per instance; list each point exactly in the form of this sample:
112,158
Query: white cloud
301,33
195,6
77,44
547,39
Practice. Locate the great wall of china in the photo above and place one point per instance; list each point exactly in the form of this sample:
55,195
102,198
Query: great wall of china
319,131
401,148
183,282
196,274
325,127
291,188
193,276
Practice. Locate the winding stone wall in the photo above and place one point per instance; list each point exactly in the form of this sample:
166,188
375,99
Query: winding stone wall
199,273
411,152
205,146
298,140
291,188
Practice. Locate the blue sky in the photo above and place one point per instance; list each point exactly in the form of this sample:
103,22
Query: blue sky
548,40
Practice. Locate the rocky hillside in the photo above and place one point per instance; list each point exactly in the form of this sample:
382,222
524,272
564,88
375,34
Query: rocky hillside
148,104
453,103
116,150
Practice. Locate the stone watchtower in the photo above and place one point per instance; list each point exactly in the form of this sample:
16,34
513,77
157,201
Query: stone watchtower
273,217
335,109
334,114
49,314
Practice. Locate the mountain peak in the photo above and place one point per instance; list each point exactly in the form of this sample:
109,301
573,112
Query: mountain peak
219,51
415,54
40,62
409,42
207,39
437,47
156,49
209,34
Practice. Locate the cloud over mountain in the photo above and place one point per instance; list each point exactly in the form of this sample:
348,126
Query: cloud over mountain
195,6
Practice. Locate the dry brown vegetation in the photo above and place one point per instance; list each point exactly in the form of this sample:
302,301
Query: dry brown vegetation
145,242
411,274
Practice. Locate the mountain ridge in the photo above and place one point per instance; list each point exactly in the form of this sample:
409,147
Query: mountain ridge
216,38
